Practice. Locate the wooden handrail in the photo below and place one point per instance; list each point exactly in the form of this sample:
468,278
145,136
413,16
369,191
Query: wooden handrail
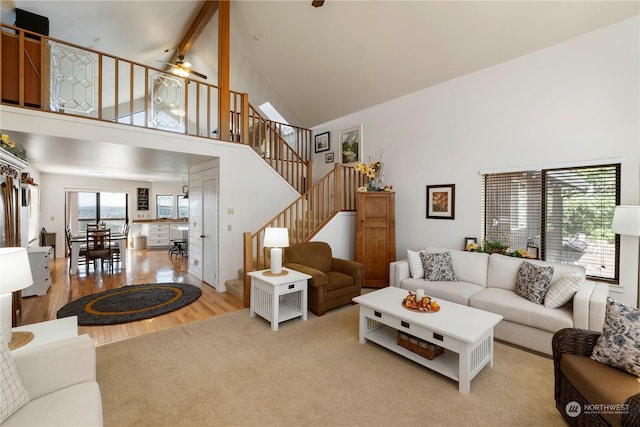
334,192
135,85
285,147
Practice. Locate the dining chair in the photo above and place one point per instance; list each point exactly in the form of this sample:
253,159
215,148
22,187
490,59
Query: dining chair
115,246
99,248
82,255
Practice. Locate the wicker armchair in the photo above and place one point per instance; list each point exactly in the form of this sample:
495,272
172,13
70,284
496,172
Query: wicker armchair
580,342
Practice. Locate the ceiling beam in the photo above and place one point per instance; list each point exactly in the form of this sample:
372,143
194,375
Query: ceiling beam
208,9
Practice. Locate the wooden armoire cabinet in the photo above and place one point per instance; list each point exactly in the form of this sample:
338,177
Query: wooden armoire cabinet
376,236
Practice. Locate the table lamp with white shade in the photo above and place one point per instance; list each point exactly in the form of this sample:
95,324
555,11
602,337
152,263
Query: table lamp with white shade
15,274
276,238
626,221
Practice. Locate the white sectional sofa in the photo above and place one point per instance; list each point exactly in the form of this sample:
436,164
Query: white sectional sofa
488,282
60,378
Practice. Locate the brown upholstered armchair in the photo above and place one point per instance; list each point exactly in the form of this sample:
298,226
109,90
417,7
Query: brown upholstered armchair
334,281
591,384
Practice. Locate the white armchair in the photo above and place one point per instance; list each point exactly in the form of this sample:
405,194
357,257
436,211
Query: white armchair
60,378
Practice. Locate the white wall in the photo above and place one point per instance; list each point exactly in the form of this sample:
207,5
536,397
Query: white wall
574,102
340,234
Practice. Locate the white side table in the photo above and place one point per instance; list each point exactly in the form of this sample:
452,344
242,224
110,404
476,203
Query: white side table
49,331
279,298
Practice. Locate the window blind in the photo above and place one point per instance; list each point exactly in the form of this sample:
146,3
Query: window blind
578,208
564,215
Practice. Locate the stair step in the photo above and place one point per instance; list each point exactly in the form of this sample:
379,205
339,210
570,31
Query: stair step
235,287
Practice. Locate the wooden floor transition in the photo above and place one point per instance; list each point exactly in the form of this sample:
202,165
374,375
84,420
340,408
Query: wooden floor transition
143,266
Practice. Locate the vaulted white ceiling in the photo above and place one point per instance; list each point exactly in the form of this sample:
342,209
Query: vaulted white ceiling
323,63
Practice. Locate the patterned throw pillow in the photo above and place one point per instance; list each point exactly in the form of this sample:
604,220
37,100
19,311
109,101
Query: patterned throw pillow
533,281
14,395
438,267
562,290
619,344
415,263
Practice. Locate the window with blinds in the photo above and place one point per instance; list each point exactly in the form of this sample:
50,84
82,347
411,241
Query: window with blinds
564,215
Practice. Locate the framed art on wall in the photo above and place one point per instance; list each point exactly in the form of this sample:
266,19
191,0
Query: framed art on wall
351,145
321,142
470,242
441,201
143,199
328,158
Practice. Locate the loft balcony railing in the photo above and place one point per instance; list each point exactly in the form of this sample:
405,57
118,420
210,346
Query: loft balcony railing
47,74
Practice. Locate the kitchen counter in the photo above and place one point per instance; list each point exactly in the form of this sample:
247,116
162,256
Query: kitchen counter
168,220
159,233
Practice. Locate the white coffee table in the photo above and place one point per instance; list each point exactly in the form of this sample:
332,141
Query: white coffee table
466,333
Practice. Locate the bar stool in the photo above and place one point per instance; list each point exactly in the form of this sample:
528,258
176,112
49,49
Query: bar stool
178,248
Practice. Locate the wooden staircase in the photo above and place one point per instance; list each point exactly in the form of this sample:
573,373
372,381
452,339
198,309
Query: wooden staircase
334,192
286,148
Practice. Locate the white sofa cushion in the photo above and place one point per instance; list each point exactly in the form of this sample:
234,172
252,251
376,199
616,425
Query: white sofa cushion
13,394
503,270
458,292
78,405
516,309
415,263
563,290
467,266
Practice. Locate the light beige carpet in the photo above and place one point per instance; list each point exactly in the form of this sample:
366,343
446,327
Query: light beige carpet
233,370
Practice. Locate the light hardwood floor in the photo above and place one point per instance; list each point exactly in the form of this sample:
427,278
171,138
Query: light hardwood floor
143,266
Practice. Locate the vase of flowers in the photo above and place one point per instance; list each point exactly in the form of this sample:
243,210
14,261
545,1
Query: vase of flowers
374,171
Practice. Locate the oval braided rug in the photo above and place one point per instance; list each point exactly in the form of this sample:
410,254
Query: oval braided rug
130,303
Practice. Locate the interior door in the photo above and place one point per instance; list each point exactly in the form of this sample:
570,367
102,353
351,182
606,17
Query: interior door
210,232
195,229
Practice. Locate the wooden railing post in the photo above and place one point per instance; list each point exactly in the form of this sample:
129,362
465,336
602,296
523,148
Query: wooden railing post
21,70
247,267
244,117
337,186
224,105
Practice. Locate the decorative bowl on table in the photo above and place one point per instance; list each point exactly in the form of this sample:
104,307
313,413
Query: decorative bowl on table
425,305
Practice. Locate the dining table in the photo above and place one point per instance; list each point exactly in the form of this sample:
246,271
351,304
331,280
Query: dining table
77,240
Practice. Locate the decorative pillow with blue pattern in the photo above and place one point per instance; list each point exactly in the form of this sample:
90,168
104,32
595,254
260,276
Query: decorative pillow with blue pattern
533,281
619,344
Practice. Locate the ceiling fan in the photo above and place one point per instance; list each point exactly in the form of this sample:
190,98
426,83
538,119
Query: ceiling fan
182,68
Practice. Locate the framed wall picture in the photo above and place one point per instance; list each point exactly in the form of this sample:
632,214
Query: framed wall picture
328,158
322,142
143,199
469,242
441,201
351,145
